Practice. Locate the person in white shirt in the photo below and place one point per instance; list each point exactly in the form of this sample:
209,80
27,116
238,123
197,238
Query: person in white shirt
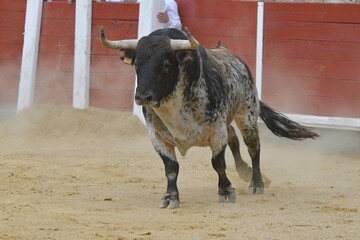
171,16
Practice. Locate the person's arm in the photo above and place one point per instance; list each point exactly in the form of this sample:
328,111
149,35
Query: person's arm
171,17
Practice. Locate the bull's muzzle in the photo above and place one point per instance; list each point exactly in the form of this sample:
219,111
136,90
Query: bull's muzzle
145,99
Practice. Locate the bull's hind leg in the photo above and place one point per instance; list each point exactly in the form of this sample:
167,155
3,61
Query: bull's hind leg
249,131
243,169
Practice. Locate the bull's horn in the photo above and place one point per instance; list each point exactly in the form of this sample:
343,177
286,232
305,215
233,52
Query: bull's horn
121,44
190,44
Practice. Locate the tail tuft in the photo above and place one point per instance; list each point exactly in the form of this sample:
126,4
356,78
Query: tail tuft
282,126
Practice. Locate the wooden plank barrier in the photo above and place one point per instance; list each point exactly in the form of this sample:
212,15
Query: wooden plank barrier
54,82
12,21
111,82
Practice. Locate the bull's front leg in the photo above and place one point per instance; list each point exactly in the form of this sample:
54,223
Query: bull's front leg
161,140
171,198
226,191
218,145
167,154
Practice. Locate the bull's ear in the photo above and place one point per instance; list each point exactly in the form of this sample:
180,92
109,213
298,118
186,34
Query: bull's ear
126,60
184,56
128,56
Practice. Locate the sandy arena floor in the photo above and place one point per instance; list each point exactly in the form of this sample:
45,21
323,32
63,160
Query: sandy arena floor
93,174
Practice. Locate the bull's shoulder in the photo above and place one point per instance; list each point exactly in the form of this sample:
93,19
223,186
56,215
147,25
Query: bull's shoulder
227,79
230,62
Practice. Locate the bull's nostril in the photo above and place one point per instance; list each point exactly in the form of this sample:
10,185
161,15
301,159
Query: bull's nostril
149,99
141,98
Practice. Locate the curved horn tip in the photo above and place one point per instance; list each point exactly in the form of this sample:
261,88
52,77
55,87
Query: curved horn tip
187,31
102,31
194,43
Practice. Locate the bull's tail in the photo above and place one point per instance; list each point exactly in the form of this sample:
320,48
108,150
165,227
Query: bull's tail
282,126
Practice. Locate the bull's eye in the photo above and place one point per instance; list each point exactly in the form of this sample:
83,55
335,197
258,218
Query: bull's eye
167,65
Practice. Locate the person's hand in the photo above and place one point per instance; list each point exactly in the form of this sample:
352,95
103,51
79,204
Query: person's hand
162,17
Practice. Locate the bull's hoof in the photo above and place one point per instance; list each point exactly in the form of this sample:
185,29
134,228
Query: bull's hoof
227,195
256,188
245,173
169,202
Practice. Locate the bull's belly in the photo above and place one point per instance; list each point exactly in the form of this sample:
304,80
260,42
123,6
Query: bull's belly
184,146
185,138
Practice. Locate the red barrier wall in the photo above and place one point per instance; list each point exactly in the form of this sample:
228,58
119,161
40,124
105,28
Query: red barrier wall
312,58
231,22
12,21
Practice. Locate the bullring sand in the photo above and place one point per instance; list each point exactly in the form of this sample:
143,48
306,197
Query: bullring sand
93,174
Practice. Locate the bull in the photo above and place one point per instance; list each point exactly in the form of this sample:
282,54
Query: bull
190,95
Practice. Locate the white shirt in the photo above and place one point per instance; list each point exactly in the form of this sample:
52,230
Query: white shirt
172,10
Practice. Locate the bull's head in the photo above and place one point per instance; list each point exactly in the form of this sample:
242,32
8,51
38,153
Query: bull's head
156,61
